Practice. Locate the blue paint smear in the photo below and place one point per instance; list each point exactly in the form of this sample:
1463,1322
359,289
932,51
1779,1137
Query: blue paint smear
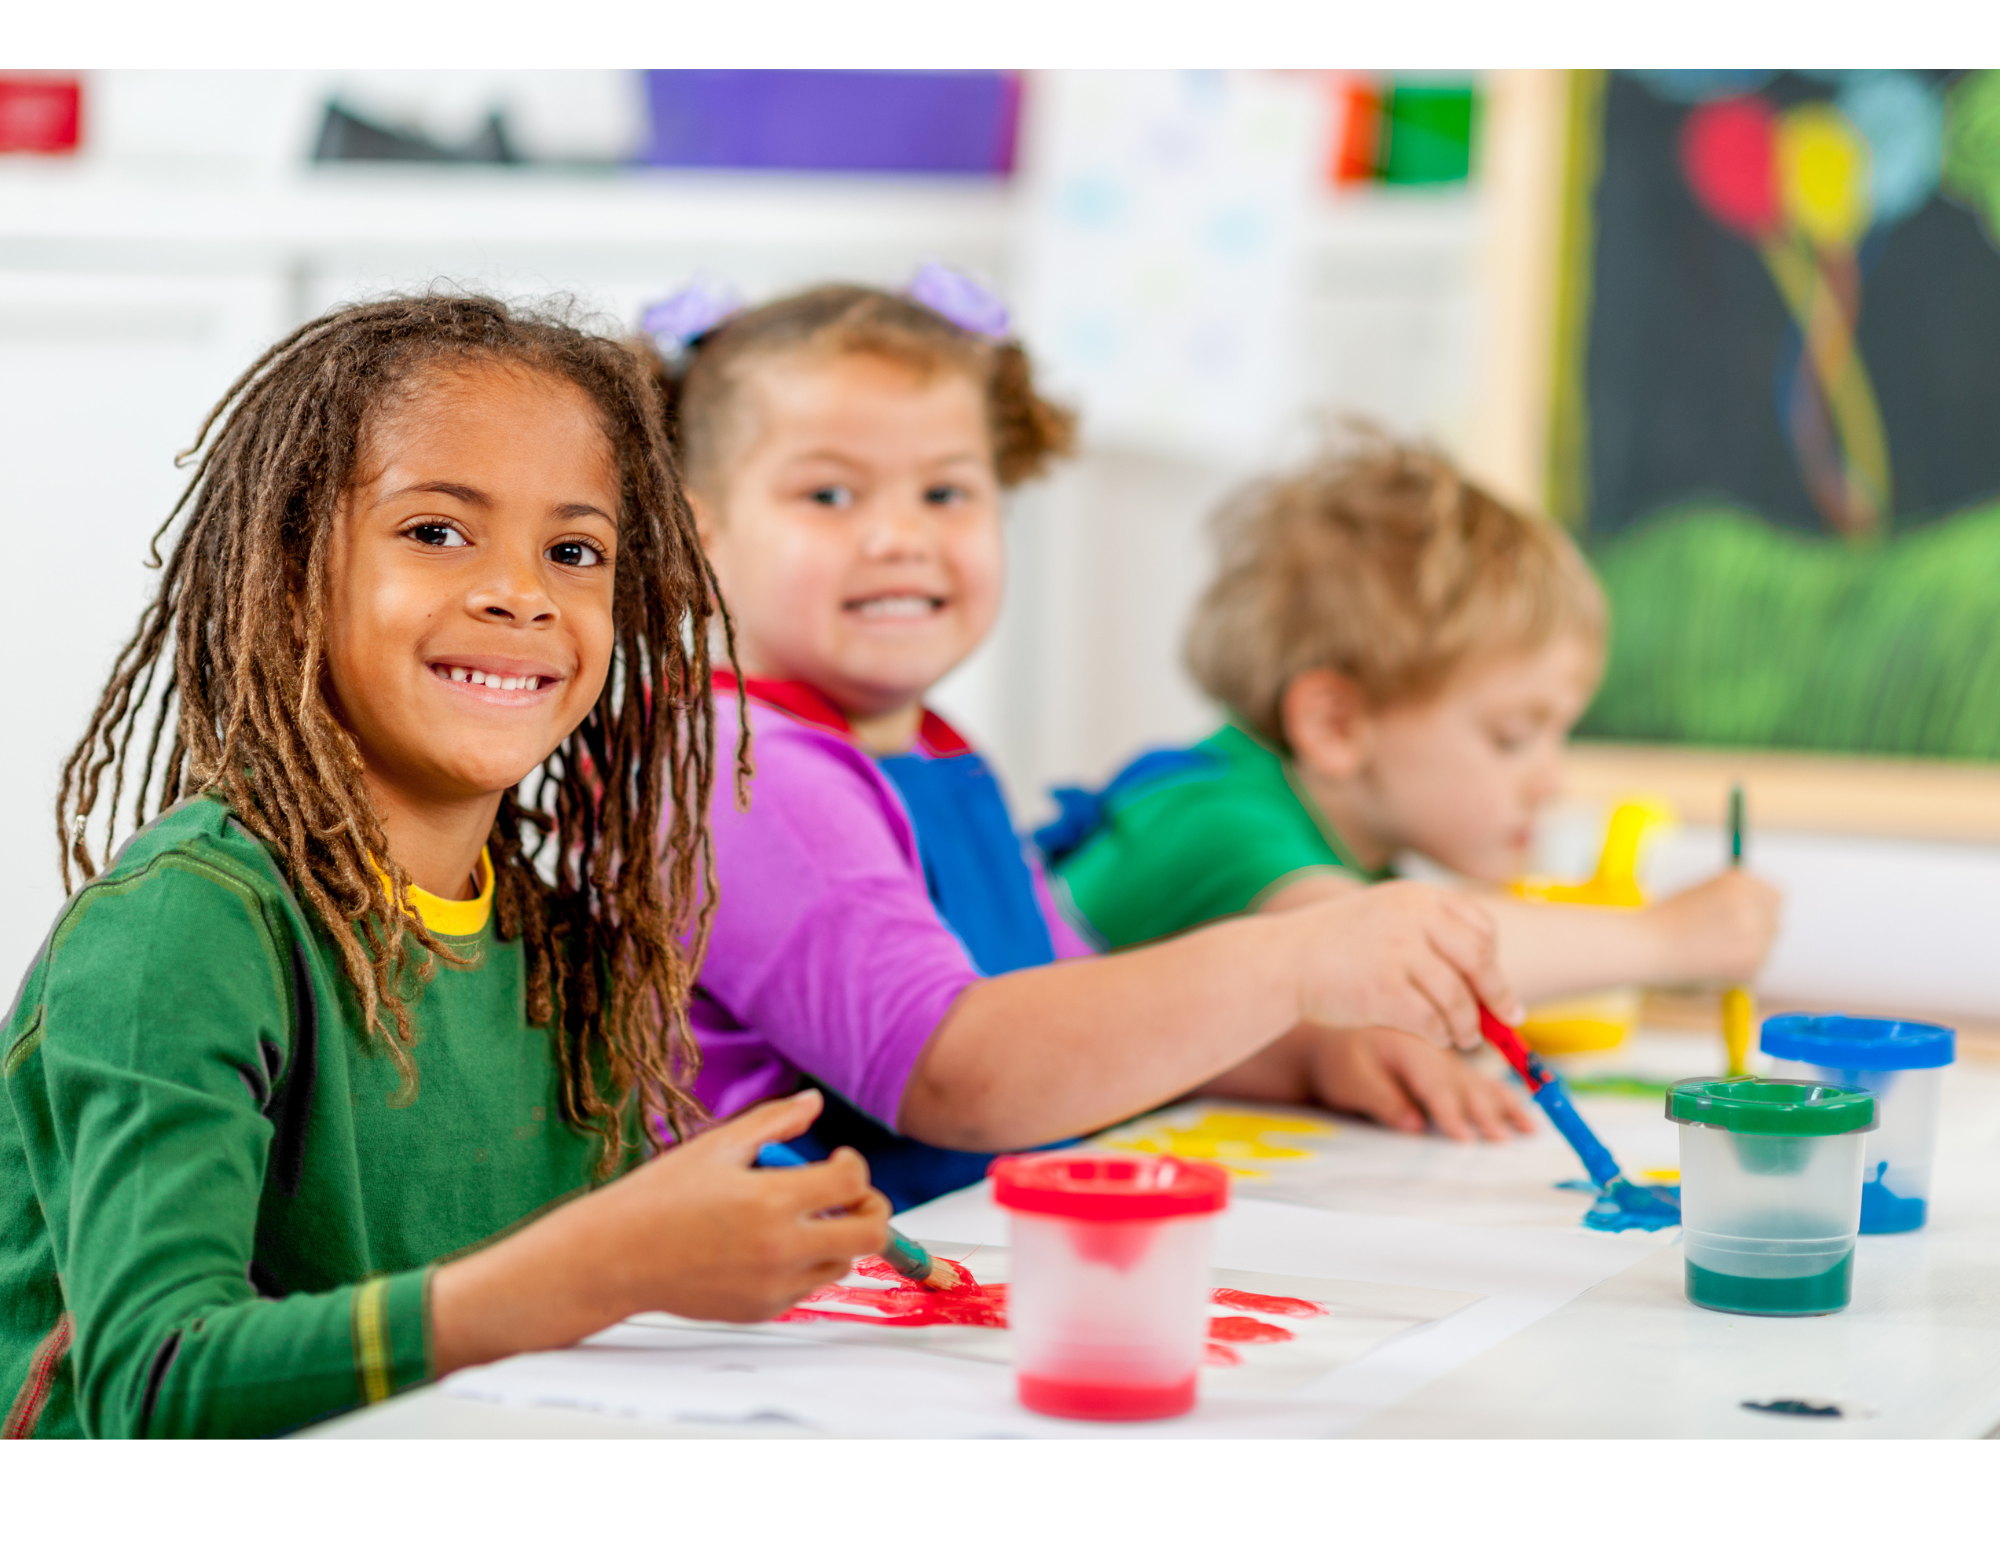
1884,1212
1620,1204
1628,1205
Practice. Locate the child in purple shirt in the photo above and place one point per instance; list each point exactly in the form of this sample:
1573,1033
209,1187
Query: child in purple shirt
880,931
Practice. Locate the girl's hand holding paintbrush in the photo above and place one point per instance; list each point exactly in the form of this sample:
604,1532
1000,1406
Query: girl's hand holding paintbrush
1415,958
699,1231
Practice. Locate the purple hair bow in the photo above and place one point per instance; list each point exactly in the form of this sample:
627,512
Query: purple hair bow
958,298
677,323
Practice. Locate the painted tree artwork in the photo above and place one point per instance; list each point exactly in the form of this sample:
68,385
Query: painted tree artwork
1778,414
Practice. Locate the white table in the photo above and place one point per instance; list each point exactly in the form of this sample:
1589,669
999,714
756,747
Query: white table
1916,1354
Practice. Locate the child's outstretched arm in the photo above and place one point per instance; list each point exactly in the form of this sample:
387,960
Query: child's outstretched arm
1033,1056
1717,931
698,1231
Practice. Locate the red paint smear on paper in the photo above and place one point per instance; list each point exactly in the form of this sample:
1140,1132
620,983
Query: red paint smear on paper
905,1304
1266,1303
1240,1327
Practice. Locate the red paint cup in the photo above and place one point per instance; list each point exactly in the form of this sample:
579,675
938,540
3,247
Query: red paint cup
1107,1296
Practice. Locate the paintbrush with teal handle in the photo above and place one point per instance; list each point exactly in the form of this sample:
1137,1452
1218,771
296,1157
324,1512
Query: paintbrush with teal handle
909,1258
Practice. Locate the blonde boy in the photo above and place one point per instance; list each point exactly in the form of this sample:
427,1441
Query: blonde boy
1401,657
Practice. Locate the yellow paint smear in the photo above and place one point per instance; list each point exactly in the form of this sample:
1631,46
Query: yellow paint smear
1229,1137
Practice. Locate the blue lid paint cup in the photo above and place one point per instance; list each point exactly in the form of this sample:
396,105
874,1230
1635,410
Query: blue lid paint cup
1901,1062
1770,1192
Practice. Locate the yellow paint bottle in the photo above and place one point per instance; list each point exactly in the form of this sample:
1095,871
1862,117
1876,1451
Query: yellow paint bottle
1597,1021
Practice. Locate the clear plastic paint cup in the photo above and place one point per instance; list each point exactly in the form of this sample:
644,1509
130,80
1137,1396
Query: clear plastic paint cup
1770,1191
1107,1296
1901,1062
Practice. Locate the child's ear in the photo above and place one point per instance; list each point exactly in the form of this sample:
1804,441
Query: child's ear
1327,722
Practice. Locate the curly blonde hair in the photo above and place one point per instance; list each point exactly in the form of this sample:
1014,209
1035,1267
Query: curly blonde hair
1379,560
831,320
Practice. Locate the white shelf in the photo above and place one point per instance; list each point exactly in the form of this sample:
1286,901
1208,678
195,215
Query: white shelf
95,214
177,215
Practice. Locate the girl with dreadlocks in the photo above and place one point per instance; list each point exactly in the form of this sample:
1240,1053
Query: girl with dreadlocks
359,999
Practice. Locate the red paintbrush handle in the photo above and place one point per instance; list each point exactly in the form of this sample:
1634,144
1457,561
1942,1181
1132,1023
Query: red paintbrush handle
1507,1041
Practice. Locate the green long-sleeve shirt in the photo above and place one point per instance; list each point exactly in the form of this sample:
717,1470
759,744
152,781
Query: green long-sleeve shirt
217,1216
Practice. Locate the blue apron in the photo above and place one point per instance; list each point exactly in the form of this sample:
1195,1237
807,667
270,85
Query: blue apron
980,883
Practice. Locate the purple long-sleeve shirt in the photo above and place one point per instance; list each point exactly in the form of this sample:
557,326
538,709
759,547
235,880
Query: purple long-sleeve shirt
828,957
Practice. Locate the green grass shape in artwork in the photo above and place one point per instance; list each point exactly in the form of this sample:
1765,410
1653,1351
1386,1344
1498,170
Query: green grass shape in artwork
1729,631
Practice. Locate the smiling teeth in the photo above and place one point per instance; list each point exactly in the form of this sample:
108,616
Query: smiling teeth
898,606
500,683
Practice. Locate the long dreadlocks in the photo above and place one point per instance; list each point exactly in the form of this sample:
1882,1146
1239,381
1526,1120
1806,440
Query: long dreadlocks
241,613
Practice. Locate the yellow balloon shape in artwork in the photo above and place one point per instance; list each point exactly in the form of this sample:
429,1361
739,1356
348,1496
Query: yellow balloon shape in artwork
1823,174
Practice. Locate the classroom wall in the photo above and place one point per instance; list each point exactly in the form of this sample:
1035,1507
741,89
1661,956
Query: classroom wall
138,278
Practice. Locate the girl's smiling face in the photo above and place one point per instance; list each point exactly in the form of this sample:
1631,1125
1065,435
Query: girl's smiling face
469,625
856,531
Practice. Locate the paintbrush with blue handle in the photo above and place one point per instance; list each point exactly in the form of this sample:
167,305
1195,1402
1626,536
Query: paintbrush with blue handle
909,1258
1632,1198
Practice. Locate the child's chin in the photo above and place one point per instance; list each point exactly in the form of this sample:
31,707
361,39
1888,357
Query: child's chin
496,775
915,667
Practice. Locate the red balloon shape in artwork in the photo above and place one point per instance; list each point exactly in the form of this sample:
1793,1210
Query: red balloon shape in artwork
1728,153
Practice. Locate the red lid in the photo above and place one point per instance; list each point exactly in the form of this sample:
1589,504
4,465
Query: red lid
1108,1188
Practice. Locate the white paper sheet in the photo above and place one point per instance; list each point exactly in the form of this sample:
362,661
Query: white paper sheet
854,1378
671,1374
664,1371
1521,1275
1355,1318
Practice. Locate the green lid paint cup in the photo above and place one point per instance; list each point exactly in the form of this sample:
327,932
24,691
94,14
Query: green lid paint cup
1899,1061
1770,1191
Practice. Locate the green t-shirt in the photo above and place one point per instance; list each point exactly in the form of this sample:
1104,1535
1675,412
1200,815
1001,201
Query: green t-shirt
1188,837
216,1216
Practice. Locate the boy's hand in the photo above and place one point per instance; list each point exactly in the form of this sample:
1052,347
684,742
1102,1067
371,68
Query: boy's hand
1719,930
1399,1081
697,1231
1407,956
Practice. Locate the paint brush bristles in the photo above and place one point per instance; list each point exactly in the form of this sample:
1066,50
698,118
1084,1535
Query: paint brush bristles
912,1260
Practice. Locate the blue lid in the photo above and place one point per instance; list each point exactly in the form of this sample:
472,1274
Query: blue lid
1842,1041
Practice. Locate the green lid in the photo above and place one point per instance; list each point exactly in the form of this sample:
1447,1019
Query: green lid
1780,1107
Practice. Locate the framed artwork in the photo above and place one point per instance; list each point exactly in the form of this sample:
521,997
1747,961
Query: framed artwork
1776,418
